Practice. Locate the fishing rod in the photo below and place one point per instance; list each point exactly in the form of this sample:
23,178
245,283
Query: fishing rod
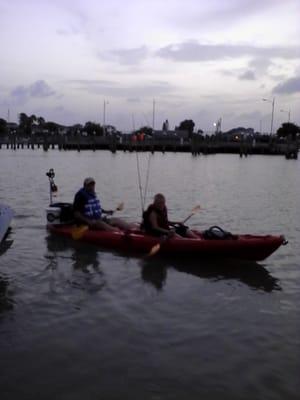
138,169
149,157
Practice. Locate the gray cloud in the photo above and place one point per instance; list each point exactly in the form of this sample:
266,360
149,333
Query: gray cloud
222,14
130,56
37,89
260,64
107,88
193,51
290,86
40,89
247,76
133,100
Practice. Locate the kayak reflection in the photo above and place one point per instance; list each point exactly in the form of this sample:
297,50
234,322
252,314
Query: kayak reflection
154,270
83,259
252,274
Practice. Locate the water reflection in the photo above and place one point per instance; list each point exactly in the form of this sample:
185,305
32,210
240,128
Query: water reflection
6,301
155,270
5,245
86,272
252,274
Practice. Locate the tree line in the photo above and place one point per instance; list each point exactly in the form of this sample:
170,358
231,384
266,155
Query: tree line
32,124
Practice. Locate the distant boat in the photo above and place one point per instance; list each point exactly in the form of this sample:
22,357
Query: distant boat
6,215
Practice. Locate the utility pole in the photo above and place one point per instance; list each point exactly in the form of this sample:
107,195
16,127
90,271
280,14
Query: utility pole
153,116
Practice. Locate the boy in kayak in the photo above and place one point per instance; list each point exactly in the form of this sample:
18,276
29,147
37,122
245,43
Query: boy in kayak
156,222
88,210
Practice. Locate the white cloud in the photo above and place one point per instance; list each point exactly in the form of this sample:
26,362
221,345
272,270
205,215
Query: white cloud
198,60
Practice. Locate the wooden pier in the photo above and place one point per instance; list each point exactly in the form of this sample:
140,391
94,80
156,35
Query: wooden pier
196,146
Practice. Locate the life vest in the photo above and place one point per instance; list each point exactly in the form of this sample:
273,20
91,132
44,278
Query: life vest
162,218
92,207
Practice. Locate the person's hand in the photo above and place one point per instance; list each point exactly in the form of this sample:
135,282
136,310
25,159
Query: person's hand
92,223
171,233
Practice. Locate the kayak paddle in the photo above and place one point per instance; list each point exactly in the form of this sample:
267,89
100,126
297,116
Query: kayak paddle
194,211
79,231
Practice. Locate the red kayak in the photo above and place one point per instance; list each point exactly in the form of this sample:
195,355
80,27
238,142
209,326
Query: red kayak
246,247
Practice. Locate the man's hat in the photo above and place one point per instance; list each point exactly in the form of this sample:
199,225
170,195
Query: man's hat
88,180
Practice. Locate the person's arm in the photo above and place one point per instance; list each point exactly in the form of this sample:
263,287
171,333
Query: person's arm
175,223
109,212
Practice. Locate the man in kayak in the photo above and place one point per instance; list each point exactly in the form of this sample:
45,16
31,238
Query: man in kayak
88,210
156,222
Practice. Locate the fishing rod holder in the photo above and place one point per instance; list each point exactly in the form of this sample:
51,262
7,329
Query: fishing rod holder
52,186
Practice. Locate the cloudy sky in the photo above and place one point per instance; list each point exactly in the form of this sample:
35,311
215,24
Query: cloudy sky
200,60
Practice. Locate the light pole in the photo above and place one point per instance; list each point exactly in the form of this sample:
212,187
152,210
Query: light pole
217,125
289,114
272,118
153,116
260,126
104,112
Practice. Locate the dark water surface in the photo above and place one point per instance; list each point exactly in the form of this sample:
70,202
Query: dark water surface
79,322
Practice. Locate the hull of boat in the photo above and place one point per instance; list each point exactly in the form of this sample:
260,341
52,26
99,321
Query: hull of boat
246,247
6,215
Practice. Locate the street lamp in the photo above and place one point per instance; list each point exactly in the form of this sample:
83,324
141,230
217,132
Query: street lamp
104,112
272,118
289,114
217,125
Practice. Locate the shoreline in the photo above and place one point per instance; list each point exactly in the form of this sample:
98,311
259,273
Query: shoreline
244,148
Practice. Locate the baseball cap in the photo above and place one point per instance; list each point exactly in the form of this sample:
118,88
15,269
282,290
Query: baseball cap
88,180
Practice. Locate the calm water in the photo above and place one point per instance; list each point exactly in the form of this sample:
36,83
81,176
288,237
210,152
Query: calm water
79,322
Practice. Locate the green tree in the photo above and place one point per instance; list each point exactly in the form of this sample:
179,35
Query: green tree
25,123
51,126
145,129
288,129
41,121
23,120
187,125
91,128
3,127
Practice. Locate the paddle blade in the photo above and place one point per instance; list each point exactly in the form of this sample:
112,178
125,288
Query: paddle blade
196,209
120,207
78,232
154,250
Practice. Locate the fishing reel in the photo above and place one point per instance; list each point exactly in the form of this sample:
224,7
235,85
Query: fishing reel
51,176
50,173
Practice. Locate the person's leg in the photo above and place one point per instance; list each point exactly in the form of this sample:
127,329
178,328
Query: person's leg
190,234
120,223
103,226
